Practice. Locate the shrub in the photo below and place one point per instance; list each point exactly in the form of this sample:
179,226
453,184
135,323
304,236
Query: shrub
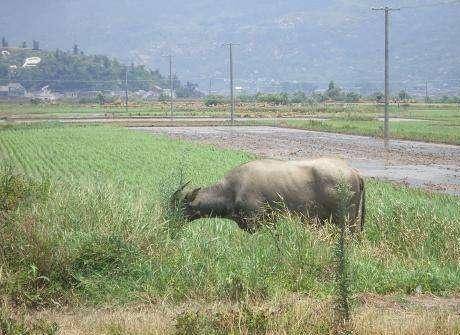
16,188
213,100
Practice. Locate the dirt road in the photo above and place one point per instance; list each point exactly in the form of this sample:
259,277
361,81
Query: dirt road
106,118
431,166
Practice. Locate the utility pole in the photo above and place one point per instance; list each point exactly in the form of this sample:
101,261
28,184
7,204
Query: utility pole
210,86
232,94
170,87
387,11
426,91
126,89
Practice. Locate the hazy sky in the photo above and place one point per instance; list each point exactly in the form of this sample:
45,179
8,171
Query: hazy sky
282,40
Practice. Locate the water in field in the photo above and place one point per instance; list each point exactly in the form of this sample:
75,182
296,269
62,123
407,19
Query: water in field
431,166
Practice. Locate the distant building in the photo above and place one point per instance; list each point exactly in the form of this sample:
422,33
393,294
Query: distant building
12,90
44,95
89,94
156,90
239,90
4,91
167,93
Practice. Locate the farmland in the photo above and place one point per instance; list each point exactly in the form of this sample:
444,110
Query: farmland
423,122
434,131
433,111
429,165
94,230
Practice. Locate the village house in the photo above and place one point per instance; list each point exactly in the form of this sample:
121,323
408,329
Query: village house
12,90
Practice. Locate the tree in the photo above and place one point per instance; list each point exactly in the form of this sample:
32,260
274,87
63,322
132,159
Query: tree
64,71
75,49
333,92
4,43
319,97
213,100
24,45
352,97
189,90
100,98
273,98
3,73
244,97
403,96
164,97
298,97
378,96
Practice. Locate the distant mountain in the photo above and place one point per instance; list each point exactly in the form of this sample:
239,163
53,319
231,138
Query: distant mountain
291,40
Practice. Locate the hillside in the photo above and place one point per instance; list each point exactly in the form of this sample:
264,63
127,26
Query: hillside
310,41
76,71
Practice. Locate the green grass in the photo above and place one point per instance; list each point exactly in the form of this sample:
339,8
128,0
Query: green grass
63,109
91,228
412,130
440,112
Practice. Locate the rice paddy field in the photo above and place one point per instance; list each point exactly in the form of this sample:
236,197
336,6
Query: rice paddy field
433,111
427,131
416,121
87,246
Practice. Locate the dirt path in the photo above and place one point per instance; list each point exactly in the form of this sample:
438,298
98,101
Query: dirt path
432,166
106,118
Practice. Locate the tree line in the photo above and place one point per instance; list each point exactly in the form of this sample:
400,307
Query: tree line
333,93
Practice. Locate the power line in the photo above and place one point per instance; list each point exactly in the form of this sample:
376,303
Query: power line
436,4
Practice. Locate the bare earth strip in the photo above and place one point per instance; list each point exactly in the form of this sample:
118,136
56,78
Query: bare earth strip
101,118
431,166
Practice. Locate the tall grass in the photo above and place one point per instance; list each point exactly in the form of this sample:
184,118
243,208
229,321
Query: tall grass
344,195
101,234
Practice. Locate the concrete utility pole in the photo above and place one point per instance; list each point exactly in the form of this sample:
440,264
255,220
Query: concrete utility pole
232,94
170,87
126,89
426,91
387,11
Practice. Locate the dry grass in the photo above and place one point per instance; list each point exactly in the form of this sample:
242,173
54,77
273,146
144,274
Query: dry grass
296,314
417,315
142,320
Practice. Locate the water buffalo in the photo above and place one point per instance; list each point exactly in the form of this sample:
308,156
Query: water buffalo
252,191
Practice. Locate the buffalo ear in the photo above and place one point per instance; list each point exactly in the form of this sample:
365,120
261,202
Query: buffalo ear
180,189
192,195
175,196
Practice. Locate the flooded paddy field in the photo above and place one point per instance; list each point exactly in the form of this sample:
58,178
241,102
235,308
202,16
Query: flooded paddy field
428,165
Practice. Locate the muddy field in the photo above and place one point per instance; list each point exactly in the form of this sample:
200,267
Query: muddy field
431,166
